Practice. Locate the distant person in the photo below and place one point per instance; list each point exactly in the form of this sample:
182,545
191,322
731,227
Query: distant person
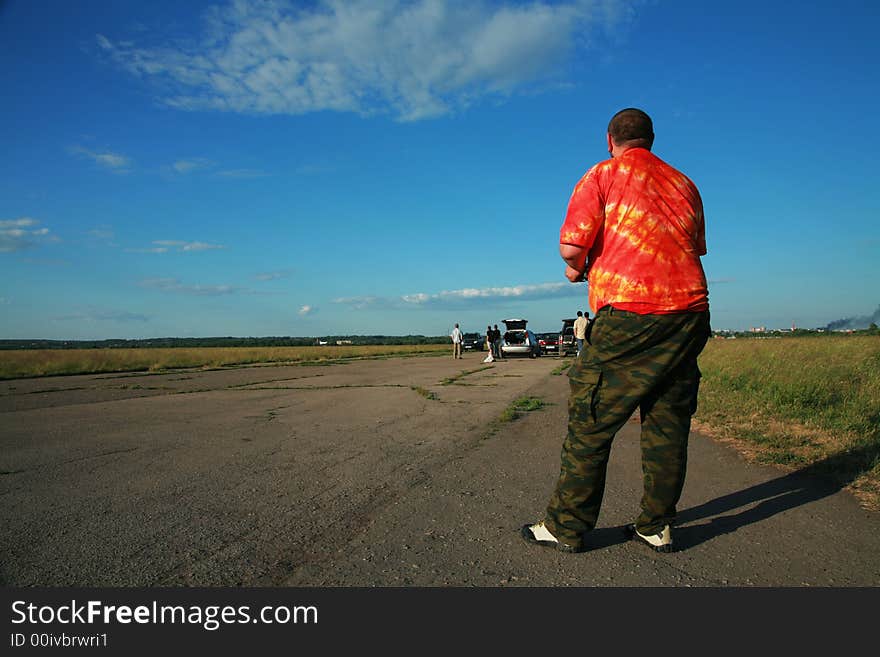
497,342
456,342
492,339
490,357
635,226
580,331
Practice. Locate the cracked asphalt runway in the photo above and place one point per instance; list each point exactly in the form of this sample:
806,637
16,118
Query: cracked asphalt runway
392,472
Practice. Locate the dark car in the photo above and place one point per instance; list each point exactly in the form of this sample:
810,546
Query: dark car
567,342
518,340
549,342
473,342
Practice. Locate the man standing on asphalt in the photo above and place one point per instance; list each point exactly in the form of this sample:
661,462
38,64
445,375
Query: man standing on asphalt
496,333
580,331
635,228
456,342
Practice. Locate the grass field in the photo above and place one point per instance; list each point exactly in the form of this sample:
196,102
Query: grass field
48,362
802,403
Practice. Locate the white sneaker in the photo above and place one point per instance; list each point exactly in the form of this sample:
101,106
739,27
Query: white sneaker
540,535
660,542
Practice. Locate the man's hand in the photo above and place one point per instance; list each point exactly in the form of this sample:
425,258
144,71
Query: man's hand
574,275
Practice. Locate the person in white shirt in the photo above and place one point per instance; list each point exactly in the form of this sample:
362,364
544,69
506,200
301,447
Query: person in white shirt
456,342
580,331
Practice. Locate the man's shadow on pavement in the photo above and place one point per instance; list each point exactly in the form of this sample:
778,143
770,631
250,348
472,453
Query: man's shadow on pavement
806,485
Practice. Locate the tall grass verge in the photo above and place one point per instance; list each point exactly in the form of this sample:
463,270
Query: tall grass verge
49,362
803,403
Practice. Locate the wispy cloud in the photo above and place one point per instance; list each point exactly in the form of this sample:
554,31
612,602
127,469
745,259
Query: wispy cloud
244,174
192,164
22,233
175,286
307,310
155,249
273,275
164,246
368,302
102,233
187,246
102,236
107,159
414,59
103,316
467,297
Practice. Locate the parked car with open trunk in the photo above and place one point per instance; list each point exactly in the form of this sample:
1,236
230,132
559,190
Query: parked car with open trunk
518,340
567,342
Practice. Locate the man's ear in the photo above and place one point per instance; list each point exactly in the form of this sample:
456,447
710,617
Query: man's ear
610,144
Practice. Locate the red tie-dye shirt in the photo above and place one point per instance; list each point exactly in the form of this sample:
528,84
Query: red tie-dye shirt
642,222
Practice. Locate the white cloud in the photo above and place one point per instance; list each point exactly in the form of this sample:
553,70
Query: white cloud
467,297
17,224
158,249
103,316
113,161
412,58
192,164
367,302
539,291
174,285
272,275
200,246
102,236
22,233
242,173
306,310
186,246
102,233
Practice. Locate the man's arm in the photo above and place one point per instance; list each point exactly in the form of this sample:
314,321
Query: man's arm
575,258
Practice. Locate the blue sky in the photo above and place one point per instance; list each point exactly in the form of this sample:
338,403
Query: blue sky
312,168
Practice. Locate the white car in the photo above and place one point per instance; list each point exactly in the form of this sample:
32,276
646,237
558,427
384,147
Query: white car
518,340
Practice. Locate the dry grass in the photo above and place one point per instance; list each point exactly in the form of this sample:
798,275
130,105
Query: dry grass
808,404
50,362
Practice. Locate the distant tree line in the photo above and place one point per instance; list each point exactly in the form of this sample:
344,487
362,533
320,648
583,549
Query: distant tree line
798,333
330,340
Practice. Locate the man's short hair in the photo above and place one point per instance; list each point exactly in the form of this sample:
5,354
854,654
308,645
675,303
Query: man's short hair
580,314
631,126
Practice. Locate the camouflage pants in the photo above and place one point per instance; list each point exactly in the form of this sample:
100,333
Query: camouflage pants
631,361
